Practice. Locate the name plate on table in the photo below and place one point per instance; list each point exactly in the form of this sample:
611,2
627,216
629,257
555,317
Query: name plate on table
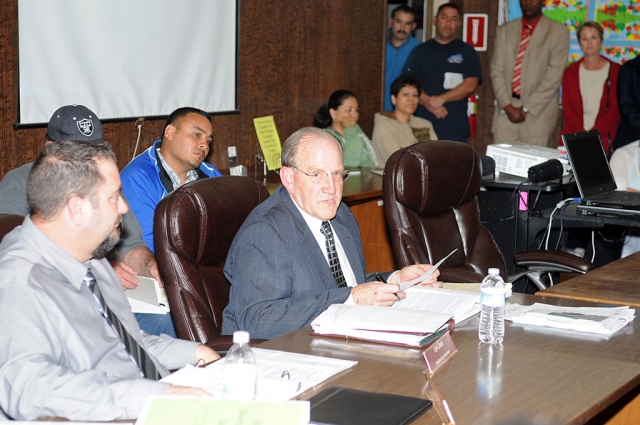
439,352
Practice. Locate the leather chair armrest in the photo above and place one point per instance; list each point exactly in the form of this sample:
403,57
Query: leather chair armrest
547,259
222,344
459,275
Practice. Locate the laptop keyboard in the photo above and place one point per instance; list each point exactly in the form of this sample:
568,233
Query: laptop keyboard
611,196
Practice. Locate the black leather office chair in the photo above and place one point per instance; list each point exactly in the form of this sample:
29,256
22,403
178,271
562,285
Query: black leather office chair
429,192
193,230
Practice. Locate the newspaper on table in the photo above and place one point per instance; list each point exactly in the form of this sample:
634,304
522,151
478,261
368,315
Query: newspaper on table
594,320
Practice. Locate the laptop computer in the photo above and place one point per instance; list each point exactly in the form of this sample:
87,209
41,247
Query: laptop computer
595,179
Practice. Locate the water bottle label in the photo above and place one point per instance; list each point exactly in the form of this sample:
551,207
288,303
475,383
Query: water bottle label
239,382
493,298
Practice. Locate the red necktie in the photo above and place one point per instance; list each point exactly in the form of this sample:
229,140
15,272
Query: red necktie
524,42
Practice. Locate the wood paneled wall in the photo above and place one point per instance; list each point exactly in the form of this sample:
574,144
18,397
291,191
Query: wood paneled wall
293,54
484,91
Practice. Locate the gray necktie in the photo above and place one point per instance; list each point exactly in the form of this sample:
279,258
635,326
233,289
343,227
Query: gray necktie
138,355
334,262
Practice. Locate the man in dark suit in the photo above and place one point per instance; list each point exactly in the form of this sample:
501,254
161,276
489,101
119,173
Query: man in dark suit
300,250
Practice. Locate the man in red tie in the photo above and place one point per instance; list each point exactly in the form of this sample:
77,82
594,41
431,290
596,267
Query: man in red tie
528,61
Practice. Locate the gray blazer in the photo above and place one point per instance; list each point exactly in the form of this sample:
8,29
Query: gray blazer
542,67
280,279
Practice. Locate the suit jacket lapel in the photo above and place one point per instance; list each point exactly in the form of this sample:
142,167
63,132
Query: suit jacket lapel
529,64
312,249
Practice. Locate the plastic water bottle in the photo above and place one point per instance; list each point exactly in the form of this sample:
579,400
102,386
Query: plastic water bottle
493,299
240,373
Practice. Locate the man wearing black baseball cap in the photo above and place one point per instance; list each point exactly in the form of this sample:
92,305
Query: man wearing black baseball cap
132,257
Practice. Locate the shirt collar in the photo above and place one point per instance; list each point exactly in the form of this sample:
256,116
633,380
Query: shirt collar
72,269
534,23
192,175
313,222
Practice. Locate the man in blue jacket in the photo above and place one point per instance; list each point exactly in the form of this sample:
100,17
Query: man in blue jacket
176,159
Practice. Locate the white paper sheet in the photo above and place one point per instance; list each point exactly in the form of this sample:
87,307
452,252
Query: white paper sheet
405,285
303,372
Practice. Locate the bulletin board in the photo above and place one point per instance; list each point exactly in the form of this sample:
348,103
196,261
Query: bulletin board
620,20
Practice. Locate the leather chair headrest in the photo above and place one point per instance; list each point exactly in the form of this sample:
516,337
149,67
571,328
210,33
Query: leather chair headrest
426,162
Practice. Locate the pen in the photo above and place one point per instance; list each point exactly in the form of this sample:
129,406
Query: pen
201,363
380,278
383,280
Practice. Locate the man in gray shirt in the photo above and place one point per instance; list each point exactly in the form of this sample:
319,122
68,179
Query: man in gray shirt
133,257
64,319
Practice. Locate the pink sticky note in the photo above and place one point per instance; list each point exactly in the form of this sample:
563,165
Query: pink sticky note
524,200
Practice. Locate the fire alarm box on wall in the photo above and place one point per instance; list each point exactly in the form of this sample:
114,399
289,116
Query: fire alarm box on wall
475,30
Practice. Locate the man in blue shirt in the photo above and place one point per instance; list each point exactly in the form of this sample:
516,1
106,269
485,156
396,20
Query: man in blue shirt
399,44
449,70
176,159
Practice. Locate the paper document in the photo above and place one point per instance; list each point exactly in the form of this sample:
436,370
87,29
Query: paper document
459,304
393,338
596,320
269,141
281,375
405,285
161,410
413,328
374,318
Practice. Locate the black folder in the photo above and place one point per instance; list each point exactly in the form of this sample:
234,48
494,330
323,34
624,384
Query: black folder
347,406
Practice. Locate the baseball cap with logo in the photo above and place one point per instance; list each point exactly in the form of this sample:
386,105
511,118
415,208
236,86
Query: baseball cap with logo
74,123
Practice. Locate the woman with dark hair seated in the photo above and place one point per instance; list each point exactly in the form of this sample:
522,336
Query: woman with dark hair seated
400,128
339,116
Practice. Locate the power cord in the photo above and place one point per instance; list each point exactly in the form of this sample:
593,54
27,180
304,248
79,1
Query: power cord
558,207
138,124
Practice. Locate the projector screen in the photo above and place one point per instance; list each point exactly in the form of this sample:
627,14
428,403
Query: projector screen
126,58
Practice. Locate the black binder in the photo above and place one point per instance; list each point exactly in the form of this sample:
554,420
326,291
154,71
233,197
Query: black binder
347,406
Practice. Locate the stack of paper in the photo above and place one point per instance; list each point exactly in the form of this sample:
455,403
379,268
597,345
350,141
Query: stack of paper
459,304
413,328
281,375
595,320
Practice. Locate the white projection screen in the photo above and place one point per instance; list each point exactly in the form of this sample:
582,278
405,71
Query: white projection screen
126,58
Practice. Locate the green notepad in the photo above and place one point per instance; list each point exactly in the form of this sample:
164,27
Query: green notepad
162,410
347,406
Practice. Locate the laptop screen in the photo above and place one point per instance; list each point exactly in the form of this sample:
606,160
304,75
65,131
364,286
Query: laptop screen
589,163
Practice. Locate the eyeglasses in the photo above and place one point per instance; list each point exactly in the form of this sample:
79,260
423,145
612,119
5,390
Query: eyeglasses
337,176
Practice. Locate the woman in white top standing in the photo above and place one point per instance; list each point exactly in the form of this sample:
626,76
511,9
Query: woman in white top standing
589,89
400,128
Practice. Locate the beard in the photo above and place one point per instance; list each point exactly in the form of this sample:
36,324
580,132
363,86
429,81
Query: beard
107,245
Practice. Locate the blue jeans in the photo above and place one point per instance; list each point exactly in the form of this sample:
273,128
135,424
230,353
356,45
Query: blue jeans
156,324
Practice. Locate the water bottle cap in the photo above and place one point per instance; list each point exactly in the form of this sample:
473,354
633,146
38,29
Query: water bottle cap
494,272
240,337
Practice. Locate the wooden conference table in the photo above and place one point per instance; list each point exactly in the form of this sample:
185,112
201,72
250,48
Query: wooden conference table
565,377
614,283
